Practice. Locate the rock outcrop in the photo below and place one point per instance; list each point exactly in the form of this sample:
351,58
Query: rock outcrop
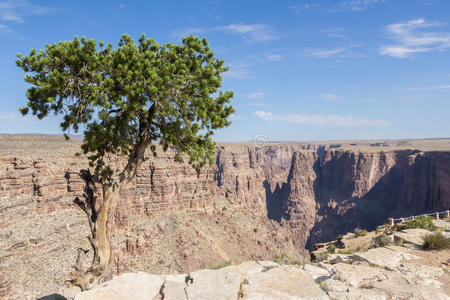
253,203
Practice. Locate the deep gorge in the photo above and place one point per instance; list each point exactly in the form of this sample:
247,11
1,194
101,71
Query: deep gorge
252,203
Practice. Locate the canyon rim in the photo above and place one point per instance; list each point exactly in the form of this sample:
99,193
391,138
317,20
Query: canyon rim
254,202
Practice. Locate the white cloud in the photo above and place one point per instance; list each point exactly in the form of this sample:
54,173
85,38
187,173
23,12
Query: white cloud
256,104
234,117
357,5
410,39
429,88
4,28
122,5
251,33
338,6
330,96
274,57
16,11
345,51
238,72
254,95
321,120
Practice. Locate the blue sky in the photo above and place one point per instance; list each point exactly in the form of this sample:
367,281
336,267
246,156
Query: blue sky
300,70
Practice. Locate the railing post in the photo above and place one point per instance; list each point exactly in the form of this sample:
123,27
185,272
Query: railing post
391,222
436,216
447,214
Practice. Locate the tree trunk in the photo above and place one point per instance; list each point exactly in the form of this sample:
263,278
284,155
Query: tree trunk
102,254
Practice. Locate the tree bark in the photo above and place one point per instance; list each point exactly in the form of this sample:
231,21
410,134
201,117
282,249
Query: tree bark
98,220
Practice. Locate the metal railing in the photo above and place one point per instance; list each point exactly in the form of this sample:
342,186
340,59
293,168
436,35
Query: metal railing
436,215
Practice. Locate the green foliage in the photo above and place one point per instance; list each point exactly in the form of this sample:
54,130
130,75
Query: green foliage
267,268
323,256
360,232
222,265
424,222
331,249
284,259
340,237
381,240
323,285
437,241
133,95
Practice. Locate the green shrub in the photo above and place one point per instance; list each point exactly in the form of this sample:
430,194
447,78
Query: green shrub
323,256
360,232
436,241
423,222
222,265
331,249
284,259
382,240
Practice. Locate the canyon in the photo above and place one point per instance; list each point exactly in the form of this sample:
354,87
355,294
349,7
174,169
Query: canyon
254,202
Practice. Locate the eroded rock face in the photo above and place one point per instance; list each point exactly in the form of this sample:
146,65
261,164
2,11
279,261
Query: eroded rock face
254,202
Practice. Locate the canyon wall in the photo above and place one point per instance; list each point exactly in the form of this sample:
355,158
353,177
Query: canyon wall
253,203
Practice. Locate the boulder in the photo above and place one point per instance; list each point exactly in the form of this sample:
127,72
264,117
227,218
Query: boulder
285,282
212,284
244,270
174,287
383,257
135,286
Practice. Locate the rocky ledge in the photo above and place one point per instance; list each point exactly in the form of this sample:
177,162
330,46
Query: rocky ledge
390,272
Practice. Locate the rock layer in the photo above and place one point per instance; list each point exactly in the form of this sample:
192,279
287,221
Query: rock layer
253,203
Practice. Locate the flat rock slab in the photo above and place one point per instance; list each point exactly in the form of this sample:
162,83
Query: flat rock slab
283,283
137,286
174,287
413,236
213,284
390,258
317,273
244,270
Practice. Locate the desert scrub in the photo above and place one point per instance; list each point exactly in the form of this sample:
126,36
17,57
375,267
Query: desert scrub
381,240
322,257
284,259
222,265
422,222
331,249
323,285
360,232
436,241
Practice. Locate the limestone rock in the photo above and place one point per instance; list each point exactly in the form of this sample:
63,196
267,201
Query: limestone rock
244,270
412,236
283,283
383,257
134,286
212,284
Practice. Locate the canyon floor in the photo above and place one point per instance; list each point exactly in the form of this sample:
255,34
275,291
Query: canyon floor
255,202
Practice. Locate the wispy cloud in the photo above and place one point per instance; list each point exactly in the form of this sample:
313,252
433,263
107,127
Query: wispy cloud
320,120
254,95
429,88
238,71
16,11
122,5
251,33
234,117
338,6
410,40
344,51
330,96
256,104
